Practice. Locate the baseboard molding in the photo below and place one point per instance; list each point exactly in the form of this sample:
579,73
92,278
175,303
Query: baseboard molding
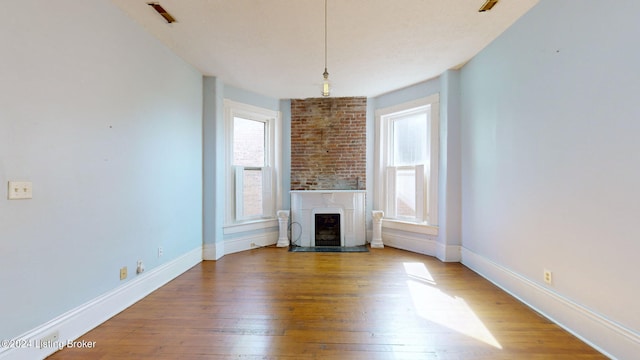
421,244
213,251
413,242
76,322
606,336
236,244
249,242
448,253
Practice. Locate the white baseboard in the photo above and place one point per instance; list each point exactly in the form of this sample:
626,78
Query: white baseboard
448,253
76,322
606,336
414,242
213,251
250,242
421,244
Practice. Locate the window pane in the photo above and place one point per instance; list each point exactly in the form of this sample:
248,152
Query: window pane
410,140
406,193
252,192
248,142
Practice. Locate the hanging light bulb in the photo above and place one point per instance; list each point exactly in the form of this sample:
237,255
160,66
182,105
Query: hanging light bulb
326,86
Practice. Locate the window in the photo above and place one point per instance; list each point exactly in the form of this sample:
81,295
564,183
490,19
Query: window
251,162
407,166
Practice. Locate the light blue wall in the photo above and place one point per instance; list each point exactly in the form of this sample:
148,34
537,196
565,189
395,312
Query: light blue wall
107,124
550,153
213,167
450,182
251,98
414,92
370,168
285,108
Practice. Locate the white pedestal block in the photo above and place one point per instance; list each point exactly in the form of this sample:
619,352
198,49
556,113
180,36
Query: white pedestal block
376,241
283,221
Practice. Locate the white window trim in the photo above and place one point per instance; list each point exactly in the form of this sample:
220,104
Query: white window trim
273,120
381,160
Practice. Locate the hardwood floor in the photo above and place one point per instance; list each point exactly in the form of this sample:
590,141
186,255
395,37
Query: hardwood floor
385,304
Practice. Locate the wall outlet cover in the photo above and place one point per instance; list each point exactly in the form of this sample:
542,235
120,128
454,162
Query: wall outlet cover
19,190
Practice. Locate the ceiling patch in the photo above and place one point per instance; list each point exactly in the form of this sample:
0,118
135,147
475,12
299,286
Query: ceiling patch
164,13
488,5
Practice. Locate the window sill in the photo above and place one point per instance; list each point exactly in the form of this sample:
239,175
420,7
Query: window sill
410,226
250,225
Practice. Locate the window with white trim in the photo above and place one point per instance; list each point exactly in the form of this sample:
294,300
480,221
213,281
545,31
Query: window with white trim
407,166
251,162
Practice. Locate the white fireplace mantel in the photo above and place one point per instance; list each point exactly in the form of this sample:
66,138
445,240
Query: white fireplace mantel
350,204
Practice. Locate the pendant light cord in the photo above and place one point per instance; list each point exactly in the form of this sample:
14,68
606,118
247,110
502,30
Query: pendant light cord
325,36
325,82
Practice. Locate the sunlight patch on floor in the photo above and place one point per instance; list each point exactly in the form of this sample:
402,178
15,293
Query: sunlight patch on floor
449,311
418,271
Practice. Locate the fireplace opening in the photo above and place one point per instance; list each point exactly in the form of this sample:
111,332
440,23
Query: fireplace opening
327,230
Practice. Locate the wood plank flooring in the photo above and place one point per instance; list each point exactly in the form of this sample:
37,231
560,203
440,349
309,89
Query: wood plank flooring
385,304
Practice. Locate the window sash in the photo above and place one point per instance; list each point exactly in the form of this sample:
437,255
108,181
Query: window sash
266,193
258,147
412,127
394,186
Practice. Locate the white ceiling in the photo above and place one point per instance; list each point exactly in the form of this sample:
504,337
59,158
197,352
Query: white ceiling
276,47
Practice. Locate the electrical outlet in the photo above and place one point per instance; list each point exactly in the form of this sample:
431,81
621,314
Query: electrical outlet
49,340
160,252
548,276
139,267
123,273
19,190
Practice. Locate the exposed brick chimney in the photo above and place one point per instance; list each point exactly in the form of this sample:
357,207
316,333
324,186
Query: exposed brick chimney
328,143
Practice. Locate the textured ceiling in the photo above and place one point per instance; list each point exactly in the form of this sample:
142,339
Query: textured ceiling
276,47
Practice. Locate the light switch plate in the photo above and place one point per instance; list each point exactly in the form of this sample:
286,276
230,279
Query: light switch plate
19,190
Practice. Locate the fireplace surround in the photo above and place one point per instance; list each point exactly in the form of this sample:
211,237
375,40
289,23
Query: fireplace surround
345,206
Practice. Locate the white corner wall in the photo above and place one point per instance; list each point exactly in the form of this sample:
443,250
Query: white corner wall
550,168
107,125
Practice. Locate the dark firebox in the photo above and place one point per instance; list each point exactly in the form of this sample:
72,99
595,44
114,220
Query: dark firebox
328,230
